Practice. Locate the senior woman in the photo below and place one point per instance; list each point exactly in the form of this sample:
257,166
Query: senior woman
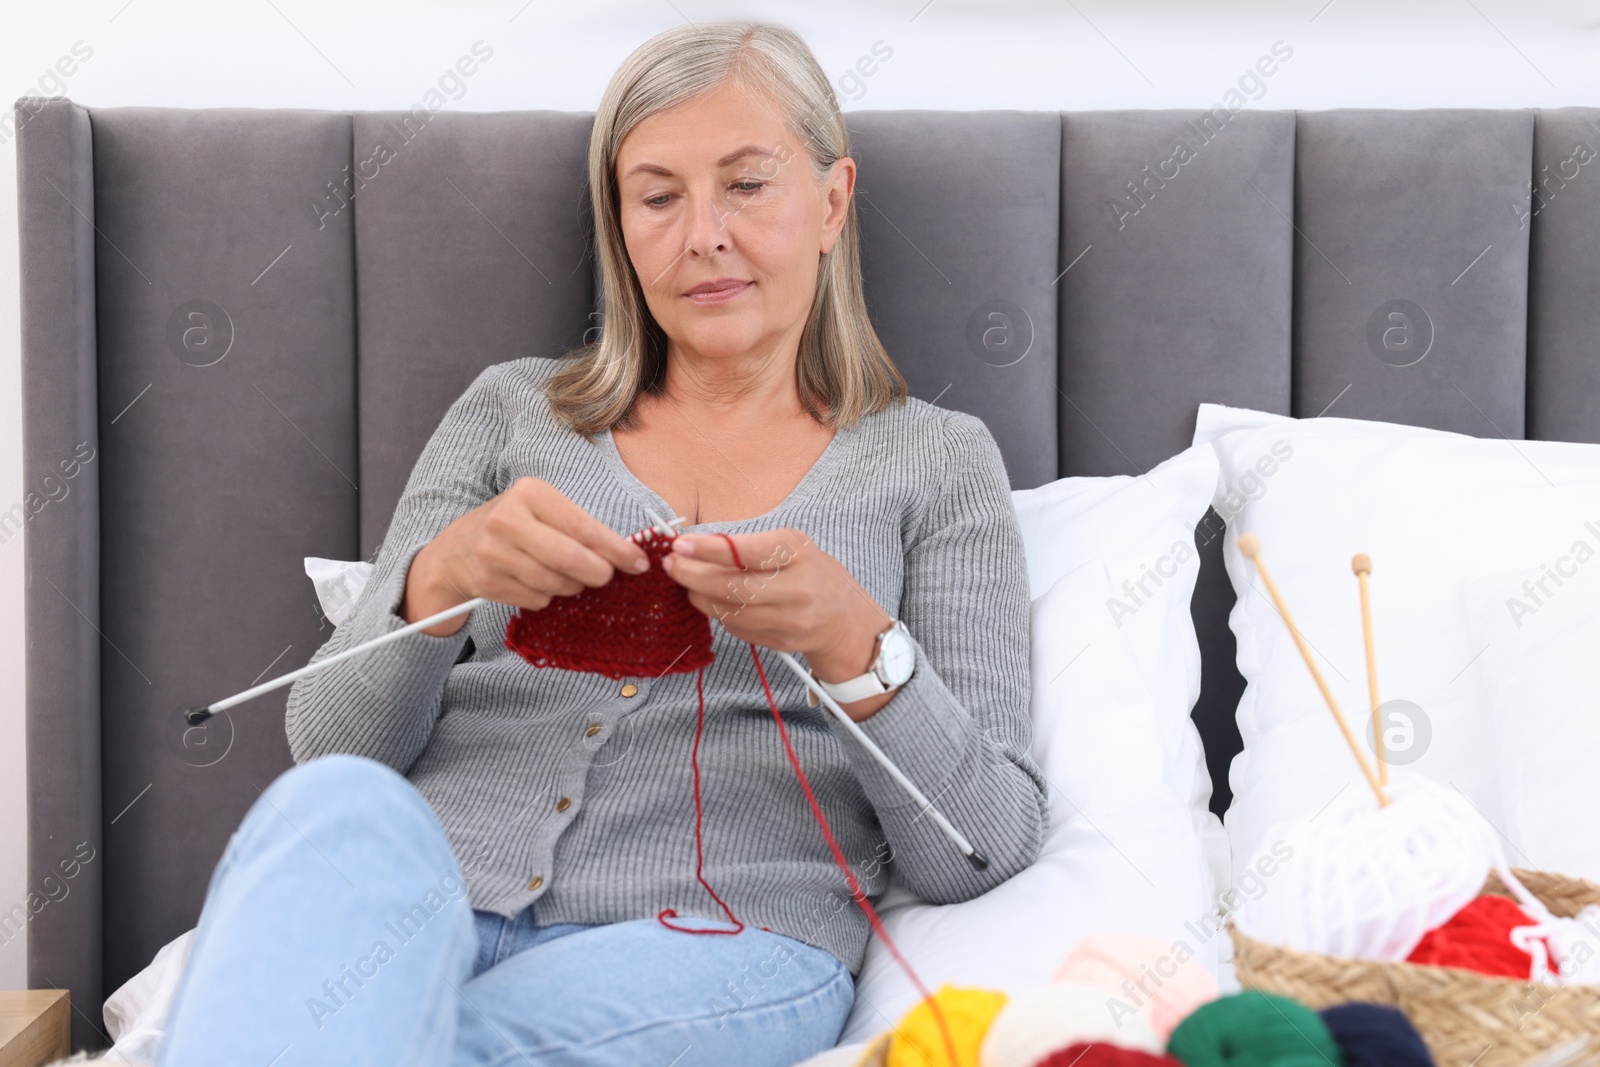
472,862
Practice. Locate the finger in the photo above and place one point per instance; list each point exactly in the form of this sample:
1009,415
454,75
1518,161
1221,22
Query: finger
530,597
721,610
724,611
725,585
553,549
737,618
766,551
700,576
553,508
509,561
508,578
518,540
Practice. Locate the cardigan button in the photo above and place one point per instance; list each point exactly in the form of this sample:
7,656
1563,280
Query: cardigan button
564,803
629,690
538,880
593,729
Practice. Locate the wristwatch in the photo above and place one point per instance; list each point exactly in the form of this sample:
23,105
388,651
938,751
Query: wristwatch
891,668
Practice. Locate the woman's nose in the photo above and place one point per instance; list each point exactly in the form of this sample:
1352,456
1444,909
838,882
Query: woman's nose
707,227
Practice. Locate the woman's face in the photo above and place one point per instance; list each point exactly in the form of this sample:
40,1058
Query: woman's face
724,219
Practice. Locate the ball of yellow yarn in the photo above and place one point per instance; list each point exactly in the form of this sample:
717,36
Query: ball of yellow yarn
918,1042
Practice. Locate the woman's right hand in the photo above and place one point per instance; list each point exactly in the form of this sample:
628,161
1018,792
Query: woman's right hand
522,548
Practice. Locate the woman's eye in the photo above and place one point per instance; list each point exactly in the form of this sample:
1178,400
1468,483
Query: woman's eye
659,200
749,187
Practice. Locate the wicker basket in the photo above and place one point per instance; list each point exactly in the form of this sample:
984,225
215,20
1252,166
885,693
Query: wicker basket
1466,1018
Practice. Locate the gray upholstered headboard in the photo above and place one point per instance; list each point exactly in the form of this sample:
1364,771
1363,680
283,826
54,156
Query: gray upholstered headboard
238,361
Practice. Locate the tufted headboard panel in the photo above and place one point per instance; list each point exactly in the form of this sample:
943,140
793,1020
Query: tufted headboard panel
240,327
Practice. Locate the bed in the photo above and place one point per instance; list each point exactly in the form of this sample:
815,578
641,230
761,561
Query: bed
239,328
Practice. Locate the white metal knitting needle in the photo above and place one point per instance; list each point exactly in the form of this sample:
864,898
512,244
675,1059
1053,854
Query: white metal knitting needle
669,527
196,716
974,857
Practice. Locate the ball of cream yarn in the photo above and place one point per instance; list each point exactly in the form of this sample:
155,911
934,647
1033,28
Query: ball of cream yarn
1041,1021
1131,967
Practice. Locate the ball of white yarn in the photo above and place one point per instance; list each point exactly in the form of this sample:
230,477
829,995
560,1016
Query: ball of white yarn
1037,1022
1369,882
1572,944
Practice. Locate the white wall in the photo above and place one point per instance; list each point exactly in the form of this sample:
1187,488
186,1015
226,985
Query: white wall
1068,54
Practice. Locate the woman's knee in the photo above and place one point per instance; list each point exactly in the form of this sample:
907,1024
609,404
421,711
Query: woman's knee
340,797
338,780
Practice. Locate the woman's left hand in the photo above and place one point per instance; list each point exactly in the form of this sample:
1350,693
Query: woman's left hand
792,597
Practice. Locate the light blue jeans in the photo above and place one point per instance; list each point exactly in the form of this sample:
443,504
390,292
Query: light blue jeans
336,930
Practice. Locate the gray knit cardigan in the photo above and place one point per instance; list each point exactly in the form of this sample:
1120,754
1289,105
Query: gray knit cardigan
572,793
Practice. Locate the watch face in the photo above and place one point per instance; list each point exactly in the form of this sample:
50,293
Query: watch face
897,658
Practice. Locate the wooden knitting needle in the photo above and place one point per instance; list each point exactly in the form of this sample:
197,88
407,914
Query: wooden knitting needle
1250,548
1362,565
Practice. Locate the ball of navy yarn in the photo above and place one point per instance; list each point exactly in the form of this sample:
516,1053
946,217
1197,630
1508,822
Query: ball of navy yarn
1254,1029
1376,1035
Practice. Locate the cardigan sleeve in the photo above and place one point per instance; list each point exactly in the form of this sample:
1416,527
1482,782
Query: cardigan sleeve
383,704
960,727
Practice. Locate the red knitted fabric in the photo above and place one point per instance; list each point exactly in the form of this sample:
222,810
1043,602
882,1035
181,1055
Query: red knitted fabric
1099,1054
639,625
1478,938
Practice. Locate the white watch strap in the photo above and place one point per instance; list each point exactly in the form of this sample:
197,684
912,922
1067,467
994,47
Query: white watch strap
861,686
853,689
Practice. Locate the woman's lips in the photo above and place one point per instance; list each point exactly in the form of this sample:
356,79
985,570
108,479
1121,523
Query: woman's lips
719,295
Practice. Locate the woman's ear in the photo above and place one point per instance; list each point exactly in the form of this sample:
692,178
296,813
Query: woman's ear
840,187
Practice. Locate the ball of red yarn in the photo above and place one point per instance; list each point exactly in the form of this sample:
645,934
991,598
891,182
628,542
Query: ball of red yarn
1478,938
1100,1054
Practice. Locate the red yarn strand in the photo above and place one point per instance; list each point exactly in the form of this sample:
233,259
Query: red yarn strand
733,548
844,865
699,817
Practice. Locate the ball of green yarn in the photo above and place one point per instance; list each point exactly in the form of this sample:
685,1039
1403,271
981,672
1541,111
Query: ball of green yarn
1254,1029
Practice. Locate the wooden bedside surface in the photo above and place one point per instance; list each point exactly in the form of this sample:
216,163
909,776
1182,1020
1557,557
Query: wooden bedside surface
35,1027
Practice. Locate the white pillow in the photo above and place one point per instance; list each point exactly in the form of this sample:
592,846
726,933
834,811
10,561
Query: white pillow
1122,852
136,1014
337,583
1539,626
1430,508
1143,528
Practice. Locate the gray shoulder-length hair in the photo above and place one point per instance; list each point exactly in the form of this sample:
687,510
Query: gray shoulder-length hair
842,370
